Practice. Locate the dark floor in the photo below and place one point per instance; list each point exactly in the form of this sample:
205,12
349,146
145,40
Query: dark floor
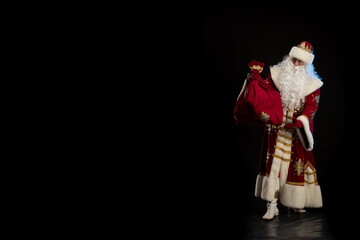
313,224
244,221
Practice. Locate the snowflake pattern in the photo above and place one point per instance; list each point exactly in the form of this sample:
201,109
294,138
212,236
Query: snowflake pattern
298,167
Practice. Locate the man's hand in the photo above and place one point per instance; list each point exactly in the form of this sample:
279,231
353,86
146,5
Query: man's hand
295,124
256,65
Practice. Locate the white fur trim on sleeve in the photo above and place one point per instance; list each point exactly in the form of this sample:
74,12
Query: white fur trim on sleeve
309,136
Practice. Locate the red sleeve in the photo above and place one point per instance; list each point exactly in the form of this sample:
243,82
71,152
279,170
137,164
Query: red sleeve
311,104
310,107
307,115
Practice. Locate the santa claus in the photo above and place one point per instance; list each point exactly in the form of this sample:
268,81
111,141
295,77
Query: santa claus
287,171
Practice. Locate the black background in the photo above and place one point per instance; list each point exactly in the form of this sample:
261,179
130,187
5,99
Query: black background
233,35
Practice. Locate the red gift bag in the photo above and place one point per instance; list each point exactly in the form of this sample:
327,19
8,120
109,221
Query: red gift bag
258,104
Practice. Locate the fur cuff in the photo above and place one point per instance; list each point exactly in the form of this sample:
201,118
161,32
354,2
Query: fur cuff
309,136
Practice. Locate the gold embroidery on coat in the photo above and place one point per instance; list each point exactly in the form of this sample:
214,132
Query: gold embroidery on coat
298,167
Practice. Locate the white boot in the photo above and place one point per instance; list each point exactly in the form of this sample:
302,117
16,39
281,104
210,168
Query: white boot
297,210
272,210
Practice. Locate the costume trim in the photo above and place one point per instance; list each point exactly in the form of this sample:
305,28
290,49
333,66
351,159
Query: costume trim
296,196
303,55
311,84
309,136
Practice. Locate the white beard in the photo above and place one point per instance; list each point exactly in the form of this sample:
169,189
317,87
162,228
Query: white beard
292,81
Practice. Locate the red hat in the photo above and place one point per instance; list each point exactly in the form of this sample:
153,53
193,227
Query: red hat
303,51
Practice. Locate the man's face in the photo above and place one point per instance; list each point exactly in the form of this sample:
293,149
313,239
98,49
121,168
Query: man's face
297,62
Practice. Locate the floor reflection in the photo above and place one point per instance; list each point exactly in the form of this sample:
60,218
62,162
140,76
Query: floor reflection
309,225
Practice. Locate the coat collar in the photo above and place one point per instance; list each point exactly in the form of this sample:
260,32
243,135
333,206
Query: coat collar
312,83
